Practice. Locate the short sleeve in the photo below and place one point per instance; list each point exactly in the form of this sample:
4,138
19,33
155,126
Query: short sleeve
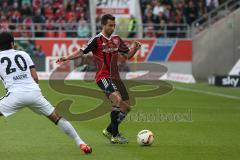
123,48
29,61
91,46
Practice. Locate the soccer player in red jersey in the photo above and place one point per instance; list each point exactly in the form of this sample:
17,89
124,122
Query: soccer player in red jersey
106,49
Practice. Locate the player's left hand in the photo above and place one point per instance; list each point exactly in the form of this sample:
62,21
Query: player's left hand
137,45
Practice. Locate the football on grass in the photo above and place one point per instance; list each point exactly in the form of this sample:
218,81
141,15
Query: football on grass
145,138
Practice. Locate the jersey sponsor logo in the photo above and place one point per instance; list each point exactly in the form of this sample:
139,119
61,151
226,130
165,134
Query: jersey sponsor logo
115,41
109,47
19,77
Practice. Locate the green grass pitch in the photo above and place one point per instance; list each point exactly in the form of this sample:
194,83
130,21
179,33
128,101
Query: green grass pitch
210,130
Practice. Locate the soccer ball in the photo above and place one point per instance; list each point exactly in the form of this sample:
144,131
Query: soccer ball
145,138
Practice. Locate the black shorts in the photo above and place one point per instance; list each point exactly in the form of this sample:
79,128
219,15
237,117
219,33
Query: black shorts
109,86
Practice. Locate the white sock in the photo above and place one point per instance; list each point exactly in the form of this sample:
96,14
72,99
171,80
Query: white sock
69,130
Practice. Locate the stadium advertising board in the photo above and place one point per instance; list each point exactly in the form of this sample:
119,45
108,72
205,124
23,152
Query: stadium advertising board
225,81
152,50
171,50
121,8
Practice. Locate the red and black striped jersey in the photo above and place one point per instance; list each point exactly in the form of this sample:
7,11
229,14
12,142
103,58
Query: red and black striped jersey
105,51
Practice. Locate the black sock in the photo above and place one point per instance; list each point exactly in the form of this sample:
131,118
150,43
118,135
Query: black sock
114,123
109,128
113,126
117,120
121,116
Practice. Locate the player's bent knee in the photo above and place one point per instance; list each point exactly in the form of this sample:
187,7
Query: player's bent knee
116,99
127,107
119,101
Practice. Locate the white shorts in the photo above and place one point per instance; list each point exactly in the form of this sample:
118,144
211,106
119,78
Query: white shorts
13,102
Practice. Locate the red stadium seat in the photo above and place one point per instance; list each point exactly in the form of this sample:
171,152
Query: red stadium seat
61,34
50,34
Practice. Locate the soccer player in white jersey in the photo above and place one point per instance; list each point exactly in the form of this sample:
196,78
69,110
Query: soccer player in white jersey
20,79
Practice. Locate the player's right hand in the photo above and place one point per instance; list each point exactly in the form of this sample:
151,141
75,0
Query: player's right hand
137,45
61,60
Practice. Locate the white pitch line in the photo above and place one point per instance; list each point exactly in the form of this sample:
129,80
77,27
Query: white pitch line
207,92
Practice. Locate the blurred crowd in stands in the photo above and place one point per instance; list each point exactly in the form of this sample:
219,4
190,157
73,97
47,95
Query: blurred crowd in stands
71,18
157,14
44,18
52,13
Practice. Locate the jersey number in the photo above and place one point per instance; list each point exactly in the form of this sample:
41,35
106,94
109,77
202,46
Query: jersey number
17,58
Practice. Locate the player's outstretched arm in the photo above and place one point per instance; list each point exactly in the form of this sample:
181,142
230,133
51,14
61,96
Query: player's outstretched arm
134,49
75,55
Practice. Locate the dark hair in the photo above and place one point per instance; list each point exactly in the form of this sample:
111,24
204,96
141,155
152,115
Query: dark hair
6,40
106,17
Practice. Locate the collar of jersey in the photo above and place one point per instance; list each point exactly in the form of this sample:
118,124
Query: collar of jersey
107,37
7,50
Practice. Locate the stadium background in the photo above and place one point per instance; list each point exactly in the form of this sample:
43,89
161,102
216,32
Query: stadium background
197,41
